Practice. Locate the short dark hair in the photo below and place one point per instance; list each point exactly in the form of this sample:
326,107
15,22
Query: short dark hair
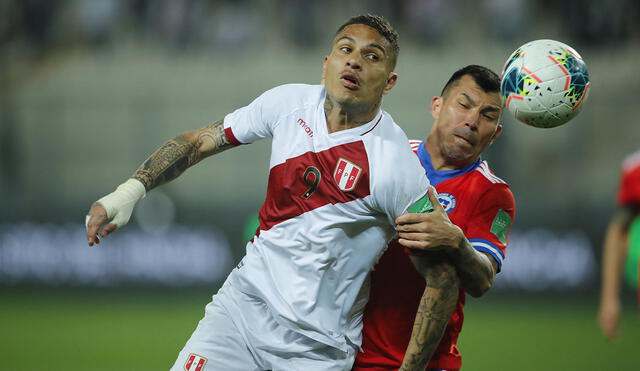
486,79
379,24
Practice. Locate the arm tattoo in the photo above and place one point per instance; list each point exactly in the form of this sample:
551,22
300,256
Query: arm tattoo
212,140
434,311
181,152
476,271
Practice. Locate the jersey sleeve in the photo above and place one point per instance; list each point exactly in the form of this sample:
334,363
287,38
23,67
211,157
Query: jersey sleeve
491,222
256,120
405,187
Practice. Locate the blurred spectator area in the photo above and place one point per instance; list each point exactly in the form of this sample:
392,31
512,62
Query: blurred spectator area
89,88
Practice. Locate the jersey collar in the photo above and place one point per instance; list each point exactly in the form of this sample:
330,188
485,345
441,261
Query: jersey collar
355,131
437,176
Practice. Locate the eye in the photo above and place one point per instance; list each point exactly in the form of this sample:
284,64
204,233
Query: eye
372,56
491,116
463,105
345,49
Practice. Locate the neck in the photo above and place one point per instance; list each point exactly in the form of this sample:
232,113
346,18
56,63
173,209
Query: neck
342,117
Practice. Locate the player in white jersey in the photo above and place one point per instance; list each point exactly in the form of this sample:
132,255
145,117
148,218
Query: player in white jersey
340,173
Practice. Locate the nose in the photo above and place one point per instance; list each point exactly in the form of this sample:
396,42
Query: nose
473,119
354,62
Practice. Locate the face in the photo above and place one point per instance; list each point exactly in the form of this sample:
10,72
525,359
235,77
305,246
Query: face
359,69
466,122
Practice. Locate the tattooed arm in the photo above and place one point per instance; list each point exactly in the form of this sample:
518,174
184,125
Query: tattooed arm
180,153
477,270
435,232
164,165
436,306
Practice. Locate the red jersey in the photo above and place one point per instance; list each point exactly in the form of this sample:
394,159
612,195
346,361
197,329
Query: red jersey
629,193
483,206
629,196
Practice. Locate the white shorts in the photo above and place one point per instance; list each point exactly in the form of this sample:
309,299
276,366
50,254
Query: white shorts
238,333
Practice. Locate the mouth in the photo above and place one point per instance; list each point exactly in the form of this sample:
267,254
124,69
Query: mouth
465,139
350,81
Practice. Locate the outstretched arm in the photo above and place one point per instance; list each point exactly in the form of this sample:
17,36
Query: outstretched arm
164,165
180,153
613,255
436,306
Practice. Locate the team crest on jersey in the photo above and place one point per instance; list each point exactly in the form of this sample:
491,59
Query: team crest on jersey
347,174
448,201
195,362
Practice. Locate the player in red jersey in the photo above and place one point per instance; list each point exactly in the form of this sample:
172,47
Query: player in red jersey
623,234
458,248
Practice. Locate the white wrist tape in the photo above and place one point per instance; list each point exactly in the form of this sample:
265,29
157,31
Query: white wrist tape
119,203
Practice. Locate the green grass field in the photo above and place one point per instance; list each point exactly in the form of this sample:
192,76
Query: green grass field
144,328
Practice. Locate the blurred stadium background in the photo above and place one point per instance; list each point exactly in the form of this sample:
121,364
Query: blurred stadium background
89,88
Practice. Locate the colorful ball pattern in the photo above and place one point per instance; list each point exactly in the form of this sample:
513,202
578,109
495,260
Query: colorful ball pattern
545,83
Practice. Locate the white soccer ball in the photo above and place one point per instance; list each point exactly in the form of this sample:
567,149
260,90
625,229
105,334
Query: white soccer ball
545,83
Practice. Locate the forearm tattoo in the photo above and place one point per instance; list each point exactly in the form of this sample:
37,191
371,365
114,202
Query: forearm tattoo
436,306
475,270
181,152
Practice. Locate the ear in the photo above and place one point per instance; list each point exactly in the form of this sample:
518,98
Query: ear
324,70
436,105
497,133
391,82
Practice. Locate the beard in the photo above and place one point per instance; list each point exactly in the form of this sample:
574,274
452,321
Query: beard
456,154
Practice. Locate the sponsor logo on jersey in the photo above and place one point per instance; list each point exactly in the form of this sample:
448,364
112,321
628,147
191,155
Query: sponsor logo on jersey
346,174
195,362
307,129
448,201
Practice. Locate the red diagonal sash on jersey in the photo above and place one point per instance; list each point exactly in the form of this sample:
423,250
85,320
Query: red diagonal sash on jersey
344,177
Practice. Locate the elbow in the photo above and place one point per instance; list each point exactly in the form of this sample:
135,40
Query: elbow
443,274
191,143
190,138
478,289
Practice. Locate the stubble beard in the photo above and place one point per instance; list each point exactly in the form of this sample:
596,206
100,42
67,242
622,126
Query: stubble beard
455,156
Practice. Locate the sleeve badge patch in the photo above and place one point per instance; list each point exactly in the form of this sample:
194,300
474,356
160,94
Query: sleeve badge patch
500,226
423,205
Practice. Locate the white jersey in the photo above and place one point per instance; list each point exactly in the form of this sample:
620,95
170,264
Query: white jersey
331,202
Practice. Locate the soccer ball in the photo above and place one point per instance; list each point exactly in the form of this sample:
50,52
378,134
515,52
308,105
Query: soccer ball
544,83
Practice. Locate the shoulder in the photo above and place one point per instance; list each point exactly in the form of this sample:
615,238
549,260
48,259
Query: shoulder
387,136
414,144
631,162
488,175
394,163
296,93
488,188
286,99
387,142
389,128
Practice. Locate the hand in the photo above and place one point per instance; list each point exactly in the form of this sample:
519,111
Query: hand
429,231
97,224
114,209
608,317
